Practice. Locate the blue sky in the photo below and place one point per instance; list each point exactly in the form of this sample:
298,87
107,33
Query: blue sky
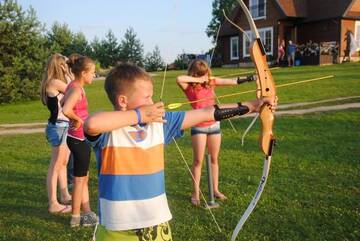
176,26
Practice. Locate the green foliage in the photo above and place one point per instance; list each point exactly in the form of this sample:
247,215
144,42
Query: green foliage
110,50
181,62
80,45
22,53
59,39
217,16
131,48
153,61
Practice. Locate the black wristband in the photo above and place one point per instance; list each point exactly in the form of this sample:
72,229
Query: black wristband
249,78
226,113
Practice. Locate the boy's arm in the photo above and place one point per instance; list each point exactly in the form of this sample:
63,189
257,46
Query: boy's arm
194,117
107,121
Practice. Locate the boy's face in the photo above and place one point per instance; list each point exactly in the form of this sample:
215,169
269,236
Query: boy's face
141,95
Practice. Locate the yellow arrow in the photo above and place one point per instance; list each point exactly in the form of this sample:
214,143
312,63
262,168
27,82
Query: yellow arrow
179,104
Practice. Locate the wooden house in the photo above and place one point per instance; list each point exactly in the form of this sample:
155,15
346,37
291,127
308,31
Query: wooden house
305,22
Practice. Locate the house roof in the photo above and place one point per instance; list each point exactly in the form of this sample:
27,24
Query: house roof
305,10
293,8
317,10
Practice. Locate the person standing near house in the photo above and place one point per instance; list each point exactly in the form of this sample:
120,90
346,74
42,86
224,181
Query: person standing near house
281,52
198,84
291,50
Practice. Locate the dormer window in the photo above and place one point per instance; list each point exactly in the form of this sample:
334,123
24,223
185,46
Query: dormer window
257,8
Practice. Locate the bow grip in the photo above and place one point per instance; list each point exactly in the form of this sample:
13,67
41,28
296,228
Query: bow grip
266,138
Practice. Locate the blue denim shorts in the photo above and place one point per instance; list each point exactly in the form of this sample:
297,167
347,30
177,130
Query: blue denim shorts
208,130
56,133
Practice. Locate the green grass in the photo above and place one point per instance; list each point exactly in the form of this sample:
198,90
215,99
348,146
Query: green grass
345,83
312,192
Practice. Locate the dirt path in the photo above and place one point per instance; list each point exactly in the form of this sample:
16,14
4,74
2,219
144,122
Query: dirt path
29,128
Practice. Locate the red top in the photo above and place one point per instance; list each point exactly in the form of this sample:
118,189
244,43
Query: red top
80,109
204,93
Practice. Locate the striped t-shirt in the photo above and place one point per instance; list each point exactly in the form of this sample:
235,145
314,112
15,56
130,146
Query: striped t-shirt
131,174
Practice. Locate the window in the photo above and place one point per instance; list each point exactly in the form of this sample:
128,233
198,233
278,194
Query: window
234,48
257,8
357,33
266,37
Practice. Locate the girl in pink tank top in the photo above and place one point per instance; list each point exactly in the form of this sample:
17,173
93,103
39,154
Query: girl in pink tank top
198,85
76,109
80,109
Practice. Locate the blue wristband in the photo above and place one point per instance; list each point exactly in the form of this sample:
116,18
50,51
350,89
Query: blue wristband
138,115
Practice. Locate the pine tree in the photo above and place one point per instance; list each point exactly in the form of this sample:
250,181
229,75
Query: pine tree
153,60
22,52
131,48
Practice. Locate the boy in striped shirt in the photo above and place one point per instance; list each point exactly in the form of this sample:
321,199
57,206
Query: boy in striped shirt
129,144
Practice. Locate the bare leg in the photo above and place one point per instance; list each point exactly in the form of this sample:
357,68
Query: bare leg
214,143
198,144
56,164
62,178
77,194
85,203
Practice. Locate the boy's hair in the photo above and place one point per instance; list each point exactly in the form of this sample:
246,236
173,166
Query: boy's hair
79,63
121,79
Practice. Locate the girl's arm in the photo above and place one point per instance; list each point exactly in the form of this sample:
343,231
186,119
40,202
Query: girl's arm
70,100
194,117
56,86
184,80
107,121
238,80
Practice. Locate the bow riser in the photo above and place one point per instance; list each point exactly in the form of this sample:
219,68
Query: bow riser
267,89
266,85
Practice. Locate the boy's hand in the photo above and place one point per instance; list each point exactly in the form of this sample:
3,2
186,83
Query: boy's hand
152,113
257,104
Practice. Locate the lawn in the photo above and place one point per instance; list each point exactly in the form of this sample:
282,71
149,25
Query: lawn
345,83
312,193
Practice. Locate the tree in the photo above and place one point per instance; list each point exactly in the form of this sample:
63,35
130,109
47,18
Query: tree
111,50
218,17
79,45
106,51
22,52
131,48
60,39
181,61
153,61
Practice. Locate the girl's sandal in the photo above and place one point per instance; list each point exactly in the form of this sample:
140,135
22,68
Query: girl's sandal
66,202
221,197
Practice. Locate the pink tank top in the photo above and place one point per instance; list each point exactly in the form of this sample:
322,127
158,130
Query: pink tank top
200,92
80,109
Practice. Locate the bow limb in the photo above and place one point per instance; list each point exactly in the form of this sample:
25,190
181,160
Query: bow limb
265,88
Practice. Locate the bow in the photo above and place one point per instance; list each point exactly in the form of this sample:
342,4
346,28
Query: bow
265,88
